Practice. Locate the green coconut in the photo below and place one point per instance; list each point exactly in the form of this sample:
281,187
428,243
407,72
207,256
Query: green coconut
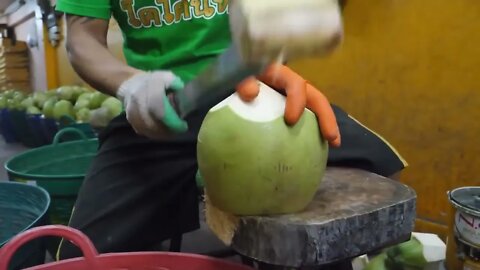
253,163
63,108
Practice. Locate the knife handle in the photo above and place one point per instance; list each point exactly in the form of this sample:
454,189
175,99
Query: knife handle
173,99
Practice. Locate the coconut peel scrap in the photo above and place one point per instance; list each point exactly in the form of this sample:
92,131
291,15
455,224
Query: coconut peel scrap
223,224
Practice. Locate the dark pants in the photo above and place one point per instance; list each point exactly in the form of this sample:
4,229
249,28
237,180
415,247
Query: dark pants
139,192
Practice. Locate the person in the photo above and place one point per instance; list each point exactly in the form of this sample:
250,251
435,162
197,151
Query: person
141,188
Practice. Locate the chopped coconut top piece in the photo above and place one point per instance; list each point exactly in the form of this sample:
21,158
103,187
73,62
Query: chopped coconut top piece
298,27
299,22
434,249
267,106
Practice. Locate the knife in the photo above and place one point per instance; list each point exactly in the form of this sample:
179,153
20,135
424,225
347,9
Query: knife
217,81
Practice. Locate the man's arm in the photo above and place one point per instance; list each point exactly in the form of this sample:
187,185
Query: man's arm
89,55
143,93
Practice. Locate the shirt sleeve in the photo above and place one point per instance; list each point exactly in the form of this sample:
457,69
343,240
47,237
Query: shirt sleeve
100,9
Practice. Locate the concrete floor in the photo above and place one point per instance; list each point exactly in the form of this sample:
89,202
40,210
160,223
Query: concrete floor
200,241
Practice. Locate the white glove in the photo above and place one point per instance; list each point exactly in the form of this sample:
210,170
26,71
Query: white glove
147,107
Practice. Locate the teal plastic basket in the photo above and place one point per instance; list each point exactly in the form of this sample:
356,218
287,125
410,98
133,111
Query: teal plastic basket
68,122
59,168
23,207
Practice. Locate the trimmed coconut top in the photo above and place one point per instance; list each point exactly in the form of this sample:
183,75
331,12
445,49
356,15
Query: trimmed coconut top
434,248
288,19
267,106
298,27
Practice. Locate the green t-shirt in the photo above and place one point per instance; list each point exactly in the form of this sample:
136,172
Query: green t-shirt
178,35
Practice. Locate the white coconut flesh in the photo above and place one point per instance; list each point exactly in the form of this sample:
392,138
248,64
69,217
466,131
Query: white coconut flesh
266,107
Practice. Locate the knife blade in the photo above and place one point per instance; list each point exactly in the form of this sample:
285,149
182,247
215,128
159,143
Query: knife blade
217,81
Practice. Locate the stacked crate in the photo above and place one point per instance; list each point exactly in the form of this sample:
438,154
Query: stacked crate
14,66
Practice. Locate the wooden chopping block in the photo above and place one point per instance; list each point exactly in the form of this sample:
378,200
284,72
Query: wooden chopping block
353,213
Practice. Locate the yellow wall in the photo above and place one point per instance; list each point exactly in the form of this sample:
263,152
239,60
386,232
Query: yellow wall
411,71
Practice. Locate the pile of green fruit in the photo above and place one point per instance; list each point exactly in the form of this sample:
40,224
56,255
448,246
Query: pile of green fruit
76,102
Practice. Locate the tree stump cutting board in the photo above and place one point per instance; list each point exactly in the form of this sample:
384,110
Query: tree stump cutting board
354,212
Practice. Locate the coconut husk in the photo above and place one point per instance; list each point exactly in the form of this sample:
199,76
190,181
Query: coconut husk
222,224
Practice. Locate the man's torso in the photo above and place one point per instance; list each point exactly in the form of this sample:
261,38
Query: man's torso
181,35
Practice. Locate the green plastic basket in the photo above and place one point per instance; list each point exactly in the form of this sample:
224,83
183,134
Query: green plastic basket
59,168
68,122
23,207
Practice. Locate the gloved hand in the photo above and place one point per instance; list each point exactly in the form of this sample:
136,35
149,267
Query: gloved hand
147,106
299,95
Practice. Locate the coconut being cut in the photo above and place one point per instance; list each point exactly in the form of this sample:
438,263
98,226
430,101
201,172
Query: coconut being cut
253,163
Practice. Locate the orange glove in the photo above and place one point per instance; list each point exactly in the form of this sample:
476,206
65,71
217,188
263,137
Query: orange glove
300,95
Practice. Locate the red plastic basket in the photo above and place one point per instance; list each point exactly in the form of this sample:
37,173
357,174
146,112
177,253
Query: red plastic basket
111,261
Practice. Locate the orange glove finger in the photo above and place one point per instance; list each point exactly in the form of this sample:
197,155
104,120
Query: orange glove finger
248,89
284,79
318,104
